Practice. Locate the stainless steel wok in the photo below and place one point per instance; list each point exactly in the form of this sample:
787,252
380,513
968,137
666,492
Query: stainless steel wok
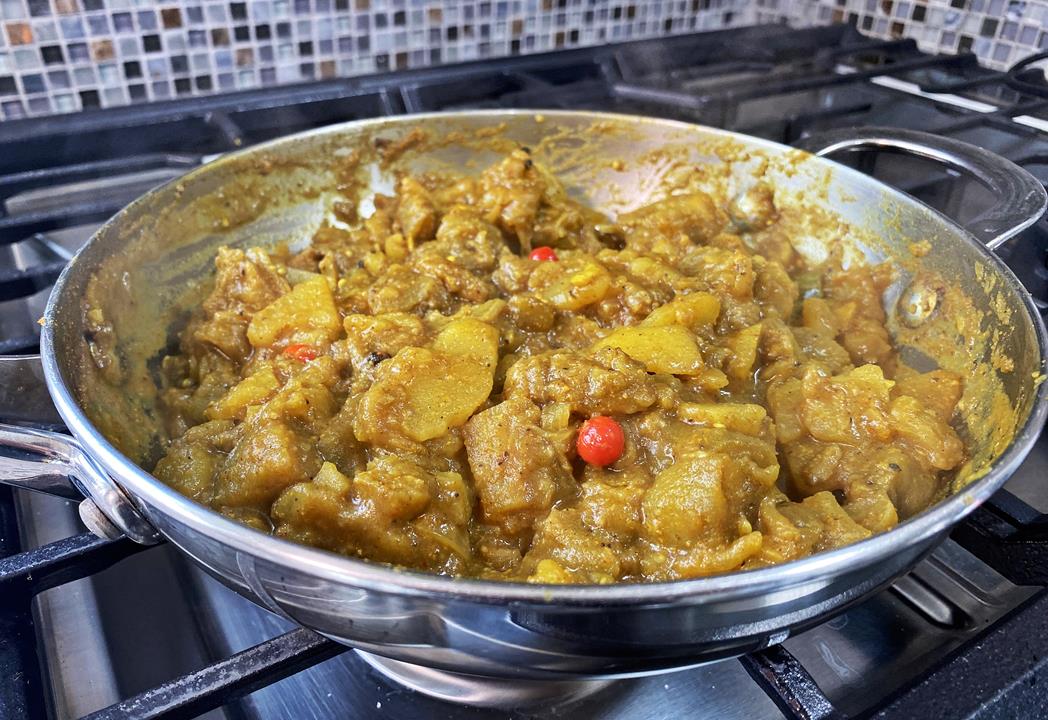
953,304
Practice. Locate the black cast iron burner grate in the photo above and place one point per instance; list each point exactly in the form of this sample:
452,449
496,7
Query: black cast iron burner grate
769,81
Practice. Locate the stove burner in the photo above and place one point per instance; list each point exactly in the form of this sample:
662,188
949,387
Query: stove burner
965,633
483,692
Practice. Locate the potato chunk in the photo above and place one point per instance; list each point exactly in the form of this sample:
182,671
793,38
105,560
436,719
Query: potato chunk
847,408
931,439
416,213
745,418
193,459
307,314
395,511
423,392
796,529
686,502
744,345
669,349
252,390
571,284
939,390
562,539
469,338
270,457
691,311
517,470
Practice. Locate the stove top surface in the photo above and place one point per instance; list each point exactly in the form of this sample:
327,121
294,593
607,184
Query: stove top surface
960,636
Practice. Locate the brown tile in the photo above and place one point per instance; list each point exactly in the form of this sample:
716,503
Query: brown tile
517,27
327,69
220,37
171,17
19,33
363,4
245,57
67,7
436,15
102,50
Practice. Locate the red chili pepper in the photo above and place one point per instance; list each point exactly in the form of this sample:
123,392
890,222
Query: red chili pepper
301,352
601,441
543,253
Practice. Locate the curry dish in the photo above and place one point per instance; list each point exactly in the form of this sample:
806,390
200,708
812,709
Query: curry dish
484,378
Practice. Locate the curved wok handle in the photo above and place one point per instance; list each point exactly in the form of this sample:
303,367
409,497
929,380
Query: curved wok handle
1021,199
54,463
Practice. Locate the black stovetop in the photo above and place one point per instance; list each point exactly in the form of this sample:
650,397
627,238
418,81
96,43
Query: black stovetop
964,635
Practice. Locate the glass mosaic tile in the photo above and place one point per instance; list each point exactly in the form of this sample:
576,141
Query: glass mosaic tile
59,79
114,96
40,105
123,22
45,31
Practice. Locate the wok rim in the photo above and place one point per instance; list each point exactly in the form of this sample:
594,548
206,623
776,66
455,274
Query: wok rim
357,572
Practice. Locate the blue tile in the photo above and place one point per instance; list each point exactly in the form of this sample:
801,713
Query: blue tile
59,79
13,109
78,53
109,75
123,22
45,31
66,103
12,9
147,20
40,105
72,27
33,83
27,58
98,24
84,76
224,59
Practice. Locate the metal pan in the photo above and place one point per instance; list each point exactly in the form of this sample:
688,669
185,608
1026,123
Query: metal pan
957,306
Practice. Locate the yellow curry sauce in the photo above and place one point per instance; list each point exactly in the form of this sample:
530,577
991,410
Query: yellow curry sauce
409,388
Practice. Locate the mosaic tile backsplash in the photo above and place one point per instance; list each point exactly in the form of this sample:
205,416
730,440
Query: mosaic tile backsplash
66,55
61,56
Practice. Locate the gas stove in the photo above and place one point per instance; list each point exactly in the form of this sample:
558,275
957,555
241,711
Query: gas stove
108,629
